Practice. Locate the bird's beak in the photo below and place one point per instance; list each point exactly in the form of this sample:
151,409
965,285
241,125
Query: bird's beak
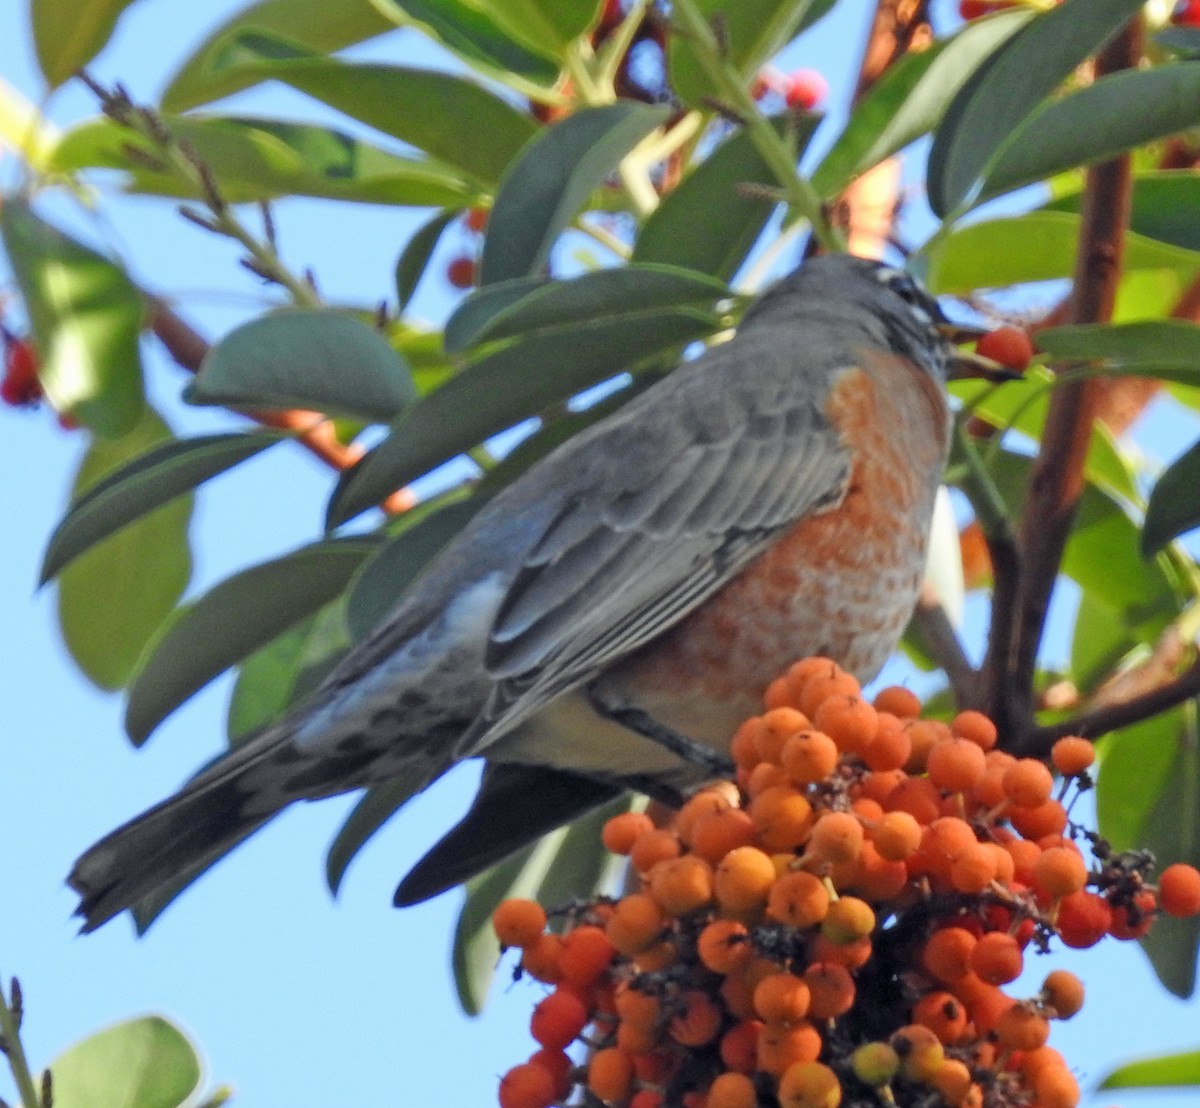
968,364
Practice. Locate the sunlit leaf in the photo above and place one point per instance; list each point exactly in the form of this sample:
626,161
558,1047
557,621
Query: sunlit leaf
1164,206
1161,1072
67,34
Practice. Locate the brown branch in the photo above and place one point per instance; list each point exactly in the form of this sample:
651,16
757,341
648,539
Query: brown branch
1057,482
941,640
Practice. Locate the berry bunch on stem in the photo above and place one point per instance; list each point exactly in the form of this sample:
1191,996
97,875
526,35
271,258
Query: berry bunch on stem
837,926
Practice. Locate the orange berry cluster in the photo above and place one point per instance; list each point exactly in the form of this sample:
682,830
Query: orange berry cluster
836,926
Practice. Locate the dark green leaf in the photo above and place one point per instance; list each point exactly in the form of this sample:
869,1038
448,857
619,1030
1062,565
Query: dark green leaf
261,159
1039,246
710,197
548,184
1160,342
450,118
148,481
1006,89
480,40
410,266
231,621
1164,206
113,598
1164,1071
321,360
1099,642
1110,116
67,34
500,390
1174,504
755,30
507,310
141,1063
308,24
911,98
86,316
1180,40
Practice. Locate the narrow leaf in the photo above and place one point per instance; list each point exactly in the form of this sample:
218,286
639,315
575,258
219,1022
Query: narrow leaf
1166,342
414,258
321,360
1005,90
231,621
1174,503
1161,1072
67,34
143,484
473,314
86,317
308,24
1164,206
551,180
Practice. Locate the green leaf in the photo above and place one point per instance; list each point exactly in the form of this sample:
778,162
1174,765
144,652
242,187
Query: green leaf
141,1063
321,360
143,484
710,197
911,98
1174,504
453,119
1038,246
549,25
1169,343
308,24
261,159
414,258
477,38
551,180
1100,640
755,30
67,34
507,310
1163,1071
1009,86
231,621
1180,40
1164,206
1113,115
113,598
86,316
1148,797
501,389
376,807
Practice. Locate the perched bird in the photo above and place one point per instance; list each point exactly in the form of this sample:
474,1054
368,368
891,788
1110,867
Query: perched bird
607,620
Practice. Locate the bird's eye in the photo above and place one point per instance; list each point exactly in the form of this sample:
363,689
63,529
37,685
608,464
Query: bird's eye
901,284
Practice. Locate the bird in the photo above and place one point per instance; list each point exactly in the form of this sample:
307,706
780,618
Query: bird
607,619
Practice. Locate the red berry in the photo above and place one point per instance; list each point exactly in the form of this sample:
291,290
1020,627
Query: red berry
1010,346
805,89
461,272
20,386
476,219
973,9
1187,13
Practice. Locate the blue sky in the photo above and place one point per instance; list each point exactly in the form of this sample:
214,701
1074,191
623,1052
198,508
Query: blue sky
294,998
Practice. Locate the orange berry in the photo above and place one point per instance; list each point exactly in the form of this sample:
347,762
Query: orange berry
778,694
1024,855
985,1003
1022,1027
723,947
849,721
699,1022
704,803
920,1050
558,1019
819,688
656,957
956,764
1010,346
848,920
652,847
610,1074
1028,783
681,885
638,1008
831,990
739,1046
798,899
942,843
778,725
1056,1087
743,879
809,1085
518,922
944,1015
541,959
784,1044
874,877
976,727
918,796
783,818
809,757
1002,861
799,673
586,953
635,924
1179,890
622,831
731,1090
1059,871
896,835
1083,919
559,1065
743,747
924,734
947,954
715,835
953,1081
1133,919
636,1039
1062,993
997,958
1048,818
898,701
975,868
782,997
527,1086
1033,1061
1072,755
891,747
476,219
836,837
853,955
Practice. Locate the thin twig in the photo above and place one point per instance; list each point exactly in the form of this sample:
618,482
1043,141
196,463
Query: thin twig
13,1050
941,640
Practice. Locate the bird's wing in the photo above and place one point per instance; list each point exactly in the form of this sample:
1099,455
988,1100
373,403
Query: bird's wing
666,511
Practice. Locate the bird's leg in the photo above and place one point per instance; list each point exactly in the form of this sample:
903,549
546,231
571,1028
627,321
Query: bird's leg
642,723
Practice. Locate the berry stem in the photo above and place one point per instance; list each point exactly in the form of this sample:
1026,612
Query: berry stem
10,1035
